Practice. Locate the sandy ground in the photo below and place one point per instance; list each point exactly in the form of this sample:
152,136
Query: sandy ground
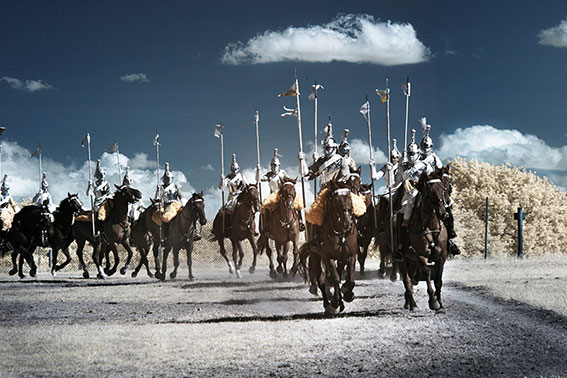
501,318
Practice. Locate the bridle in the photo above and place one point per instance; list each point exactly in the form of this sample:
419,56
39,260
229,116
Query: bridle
287,221
341,216
441,202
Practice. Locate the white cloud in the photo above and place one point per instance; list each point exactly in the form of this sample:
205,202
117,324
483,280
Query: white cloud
208,167
348,38
27,86
360,152
555,36
141,77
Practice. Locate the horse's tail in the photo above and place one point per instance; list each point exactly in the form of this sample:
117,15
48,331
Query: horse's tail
303,255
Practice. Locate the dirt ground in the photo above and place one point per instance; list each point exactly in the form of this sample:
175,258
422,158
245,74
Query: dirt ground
501,318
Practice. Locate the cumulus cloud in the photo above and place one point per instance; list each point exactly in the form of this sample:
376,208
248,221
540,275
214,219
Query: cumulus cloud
208,167
347,38
26,86
141,77
555,36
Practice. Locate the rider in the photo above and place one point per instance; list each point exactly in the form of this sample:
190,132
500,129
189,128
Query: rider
101,187
236,183
412,170
134,209
344,151
430,158
43,200
393,176
275,178
8,208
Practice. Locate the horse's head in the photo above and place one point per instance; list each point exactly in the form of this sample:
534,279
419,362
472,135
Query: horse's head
342,217
433,191
251,194
366,191
198,204
353,181
74,203
130,194
287,192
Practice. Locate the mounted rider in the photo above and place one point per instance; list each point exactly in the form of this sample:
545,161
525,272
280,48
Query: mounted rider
136,208
43,200
430,158
8,208
101,188
344,151
236,183
275,178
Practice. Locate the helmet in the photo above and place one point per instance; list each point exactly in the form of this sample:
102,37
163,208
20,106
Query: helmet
5,186
394,153
344,147
126,179
275,163
426,143
413,149
167,177
234,167
44,183
329,144
99,171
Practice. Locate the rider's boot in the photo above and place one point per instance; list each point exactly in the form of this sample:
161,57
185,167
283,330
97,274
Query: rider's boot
452,248
196,235
450,224
301,224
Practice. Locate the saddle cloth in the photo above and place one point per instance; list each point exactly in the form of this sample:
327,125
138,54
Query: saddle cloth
169,214
271,201
316,212
103,211
7,216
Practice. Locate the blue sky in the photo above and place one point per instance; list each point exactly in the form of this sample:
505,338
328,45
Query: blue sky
121,70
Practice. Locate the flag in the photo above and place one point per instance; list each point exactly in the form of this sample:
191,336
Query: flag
36,153
218,131
314,88
292,91
86,140
365,109
114,148
406,87
384,94
289,112
2,129
156,143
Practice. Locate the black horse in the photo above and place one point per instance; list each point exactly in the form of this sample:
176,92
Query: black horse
32,227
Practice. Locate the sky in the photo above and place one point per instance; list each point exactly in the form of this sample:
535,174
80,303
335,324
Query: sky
488,76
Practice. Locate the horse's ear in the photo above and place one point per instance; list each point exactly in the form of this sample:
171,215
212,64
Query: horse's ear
201,194
294,180
117,187
68,195
359,170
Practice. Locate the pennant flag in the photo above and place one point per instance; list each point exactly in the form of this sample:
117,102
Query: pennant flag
36,153
292,91
406,87
86,140
156,143
315,88
218,131
365,109
384,94
114,148
289,112
2,129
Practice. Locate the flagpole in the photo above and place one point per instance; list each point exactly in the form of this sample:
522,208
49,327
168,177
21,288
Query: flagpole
371,158
2,129
90,185
315,155
390,178
407,92
301,156
40,168
118,162
258,167
222,175
160,204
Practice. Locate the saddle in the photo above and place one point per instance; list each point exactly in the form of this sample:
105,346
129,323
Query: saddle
103,211
316,212
169,213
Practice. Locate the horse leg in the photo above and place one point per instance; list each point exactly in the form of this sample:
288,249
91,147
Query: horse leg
235,257
269,253
225,256
439,283
30,260
347,288
97,258
175,251
126,246
65,263
362,254
408,286
143,261
80,246
114,248
157,262
284,247
295,265
189,249
14,269
315,273
279,253
433,304
333,279
164,262
255,252
20,266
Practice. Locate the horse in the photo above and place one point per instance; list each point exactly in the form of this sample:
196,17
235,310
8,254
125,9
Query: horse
336,245
283,226
237,227
115,230
365,226
26,235
181,233
426,251
142,239
383,239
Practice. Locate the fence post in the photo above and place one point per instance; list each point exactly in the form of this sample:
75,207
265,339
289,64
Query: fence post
486,230
520,216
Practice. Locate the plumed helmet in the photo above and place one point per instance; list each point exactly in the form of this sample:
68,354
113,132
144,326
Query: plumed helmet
344,147
99,171
426,141
275,162
329,144
413,149
167,177
126,180
394,152
234,167
5,185
44,183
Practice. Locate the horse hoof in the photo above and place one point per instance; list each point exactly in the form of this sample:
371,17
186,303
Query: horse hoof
134,274
381,274
313,290
85,274
106,271
394,277
53,273
172,275
279,269
22,276
32,273
100,276
330,310
238,274
284,274
13,271
123,271
150,274
434,305
252,270
191,278
348,296
273,274
406,306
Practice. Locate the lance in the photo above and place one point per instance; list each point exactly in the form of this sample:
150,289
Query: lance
160,197
38,154
315,154
389,167
301,155
90,190
2,129
219,134
118,163
406,87
367,116
258,166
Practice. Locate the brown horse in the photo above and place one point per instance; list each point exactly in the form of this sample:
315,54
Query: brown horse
142,239
238,226
336,245
426,252
181,233
383,239
115,231
365,226
283,228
